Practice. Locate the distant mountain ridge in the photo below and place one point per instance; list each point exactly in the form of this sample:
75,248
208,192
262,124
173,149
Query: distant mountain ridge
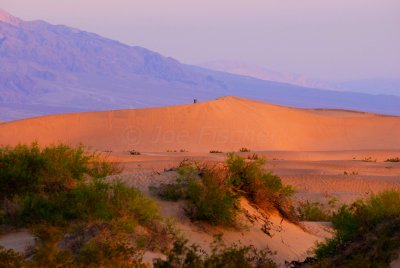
260,72
373,86
49,69
8,18
383,86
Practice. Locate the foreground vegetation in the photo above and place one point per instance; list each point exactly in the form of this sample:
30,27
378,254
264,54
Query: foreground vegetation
221,255
81,219
316,211
180,256
212,192
367,234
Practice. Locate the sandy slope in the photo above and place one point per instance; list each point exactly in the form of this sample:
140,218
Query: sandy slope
396,263
224,124
19,240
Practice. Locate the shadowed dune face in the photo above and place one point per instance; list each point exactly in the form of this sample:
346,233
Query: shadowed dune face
224,124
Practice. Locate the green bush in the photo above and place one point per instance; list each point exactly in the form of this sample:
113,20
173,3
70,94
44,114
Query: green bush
186,171
263,188
80,218
110,253
88,201
208,195
313,211
366,232
102,250
211,199
212,192
31,169
170,191
221,255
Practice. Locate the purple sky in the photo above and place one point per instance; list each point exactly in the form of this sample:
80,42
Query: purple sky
333,40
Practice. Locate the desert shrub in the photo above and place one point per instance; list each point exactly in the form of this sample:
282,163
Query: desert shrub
316,211
20,169
244,150
221,255
31,169
101,249
368,159
215,152
206,191
10,258
38,181
80,218
46,252
350,173
212,192
170,191
174,151
186,172
134,152
394,159
89,201
109,223
211,199
262,188
110,251
312,211
254,157
102,253
366,233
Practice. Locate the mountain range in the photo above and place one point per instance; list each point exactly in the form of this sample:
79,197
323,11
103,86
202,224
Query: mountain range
46,69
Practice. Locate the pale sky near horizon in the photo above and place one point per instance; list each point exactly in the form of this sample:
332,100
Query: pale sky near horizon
325,39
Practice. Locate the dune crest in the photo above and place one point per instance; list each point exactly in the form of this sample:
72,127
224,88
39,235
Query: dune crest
227,123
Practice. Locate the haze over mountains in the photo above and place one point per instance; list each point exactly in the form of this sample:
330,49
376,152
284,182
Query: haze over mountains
370,86
57,69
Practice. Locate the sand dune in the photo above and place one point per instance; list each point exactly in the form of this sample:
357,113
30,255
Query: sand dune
224,124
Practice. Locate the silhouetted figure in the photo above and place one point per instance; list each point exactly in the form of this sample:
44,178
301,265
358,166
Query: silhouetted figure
195,101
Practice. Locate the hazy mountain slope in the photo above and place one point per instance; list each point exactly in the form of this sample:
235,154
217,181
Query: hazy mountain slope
225,124
368,86
374,86
256,71
60,66
48,69
289,95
